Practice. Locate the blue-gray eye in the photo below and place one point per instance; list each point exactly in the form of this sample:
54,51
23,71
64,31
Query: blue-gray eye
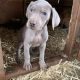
44,13
31,10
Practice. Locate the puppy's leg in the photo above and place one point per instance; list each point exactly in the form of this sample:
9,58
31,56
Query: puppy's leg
41,58
27,64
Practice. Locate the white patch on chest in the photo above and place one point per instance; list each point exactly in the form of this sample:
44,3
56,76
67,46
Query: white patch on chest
37,40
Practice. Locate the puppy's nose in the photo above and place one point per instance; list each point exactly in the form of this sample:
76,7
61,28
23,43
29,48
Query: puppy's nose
32,24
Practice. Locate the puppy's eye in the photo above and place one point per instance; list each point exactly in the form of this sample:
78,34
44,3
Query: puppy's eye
31,10
44,13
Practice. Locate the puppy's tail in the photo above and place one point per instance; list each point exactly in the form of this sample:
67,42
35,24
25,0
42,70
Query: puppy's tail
18,55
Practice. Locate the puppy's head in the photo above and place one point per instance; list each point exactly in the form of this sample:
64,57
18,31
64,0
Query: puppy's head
38,14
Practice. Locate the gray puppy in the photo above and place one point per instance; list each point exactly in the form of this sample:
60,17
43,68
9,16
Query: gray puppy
35,32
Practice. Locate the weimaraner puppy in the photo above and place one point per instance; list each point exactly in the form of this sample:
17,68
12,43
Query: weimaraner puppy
35,32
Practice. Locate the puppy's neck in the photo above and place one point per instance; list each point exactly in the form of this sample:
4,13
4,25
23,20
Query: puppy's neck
38,32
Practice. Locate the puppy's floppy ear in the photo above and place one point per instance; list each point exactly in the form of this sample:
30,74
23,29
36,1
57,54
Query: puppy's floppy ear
55,18
28,8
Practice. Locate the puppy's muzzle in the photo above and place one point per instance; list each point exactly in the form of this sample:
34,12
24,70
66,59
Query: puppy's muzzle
32,25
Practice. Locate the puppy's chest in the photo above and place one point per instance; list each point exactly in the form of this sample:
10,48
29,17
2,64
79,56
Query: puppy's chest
37,40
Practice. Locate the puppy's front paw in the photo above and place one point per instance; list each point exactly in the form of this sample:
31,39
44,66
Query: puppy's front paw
27,66
43,65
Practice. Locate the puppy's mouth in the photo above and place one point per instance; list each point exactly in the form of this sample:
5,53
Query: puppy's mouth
33,28
36,29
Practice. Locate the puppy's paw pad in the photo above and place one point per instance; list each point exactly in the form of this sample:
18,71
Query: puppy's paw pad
27,66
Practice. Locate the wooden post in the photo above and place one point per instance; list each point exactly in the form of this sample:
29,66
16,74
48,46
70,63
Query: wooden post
73,27
2,73
79,55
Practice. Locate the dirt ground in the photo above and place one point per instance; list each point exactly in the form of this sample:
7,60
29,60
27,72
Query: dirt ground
9,40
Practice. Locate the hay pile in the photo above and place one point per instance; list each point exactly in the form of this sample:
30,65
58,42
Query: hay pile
9,41
62,71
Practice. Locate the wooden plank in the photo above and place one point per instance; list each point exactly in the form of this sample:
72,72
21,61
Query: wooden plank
73,27
2,72
11,9
35,66
79,55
